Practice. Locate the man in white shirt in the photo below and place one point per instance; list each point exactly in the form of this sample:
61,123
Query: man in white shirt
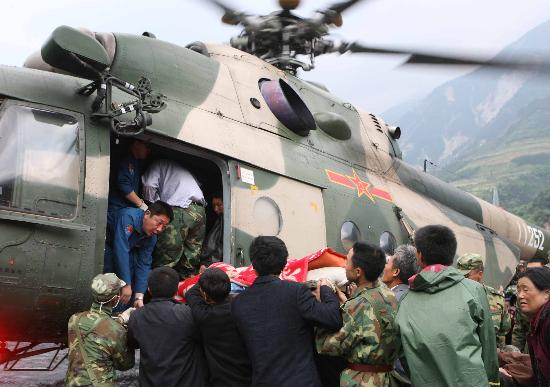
180,244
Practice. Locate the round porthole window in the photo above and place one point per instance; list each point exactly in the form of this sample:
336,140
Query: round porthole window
267,217
387,242
349,234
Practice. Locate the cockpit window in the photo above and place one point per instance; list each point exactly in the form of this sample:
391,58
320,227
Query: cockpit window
40,161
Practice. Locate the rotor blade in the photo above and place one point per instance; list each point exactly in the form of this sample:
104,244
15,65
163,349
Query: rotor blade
436,59
224,7
456,61
333,14
357,47
342,6
230,15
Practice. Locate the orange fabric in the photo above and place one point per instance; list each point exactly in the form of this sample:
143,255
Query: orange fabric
329,258
295,270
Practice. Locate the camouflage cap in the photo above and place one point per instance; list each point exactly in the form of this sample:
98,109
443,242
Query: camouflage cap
511,291
468,262
106,286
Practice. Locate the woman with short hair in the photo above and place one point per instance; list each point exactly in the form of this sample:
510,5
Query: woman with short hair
533,292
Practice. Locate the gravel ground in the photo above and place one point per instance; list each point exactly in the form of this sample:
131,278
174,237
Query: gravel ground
53,378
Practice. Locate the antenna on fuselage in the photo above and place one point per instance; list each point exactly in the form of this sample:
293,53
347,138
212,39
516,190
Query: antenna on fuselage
496,200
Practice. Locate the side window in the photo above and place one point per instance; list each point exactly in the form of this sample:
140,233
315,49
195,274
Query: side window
39,161
349,234
387,242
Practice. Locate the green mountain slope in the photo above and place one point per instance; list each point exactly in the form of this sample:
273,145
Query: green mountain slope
517,162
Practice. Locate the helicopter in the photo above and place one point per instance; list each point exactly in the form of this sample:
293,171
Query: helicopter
291,159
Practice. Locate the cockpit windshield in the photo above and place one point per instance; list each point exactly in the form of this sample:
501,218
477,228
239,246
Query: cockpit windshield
40,161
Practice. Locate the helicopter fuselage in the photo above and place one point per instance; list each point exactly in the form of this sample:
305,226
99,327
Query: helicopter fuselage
312,191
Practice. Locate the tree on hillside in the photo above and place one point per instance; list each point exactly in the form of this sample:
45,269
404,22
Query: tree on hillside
538,210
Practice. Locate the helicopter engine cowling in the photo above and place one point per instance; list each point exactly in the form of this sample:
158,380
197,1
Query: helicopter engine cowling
287,106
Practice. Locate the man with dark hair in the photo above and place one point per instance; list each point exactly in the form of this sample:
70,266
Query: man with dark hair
162,283
367,339
399,268
276,317
212,248
214,285
268,255
171,353
444,320
437,244
129,247
224,347
537,262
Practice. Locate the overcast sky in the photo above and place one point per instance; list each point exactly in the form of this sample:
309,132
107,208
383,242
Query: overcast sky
369,81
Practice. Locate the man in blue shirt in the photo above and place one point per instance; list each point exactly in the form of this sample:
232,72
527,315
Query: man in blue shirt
125,182
129,247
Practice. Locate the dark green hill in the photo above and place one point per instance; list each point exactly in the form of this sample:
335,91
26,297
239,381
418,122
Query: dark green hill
489,129
517,162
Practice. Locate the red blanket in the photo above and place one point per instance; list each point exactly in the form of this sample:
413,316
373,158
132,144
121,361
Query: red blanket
295,270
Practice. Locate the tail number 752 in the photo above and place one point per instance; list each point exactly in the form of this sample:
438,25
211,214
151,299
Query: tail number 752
537,238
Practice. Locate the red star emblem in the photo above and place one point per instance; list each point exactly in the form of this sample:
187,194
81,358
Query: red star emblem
362,186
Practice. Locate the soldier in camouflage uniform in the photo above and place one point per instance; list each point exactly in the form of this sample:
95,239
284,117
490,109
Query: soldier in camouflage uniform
367,339
471,265
519,332
179,246
97,342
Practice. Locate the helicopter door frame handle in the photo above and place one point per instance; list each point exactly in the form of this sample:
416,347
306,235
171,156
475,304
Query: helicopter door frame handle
240,257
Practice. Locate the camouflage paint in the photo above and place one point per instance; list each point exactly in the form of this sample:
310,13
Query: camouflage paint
209,107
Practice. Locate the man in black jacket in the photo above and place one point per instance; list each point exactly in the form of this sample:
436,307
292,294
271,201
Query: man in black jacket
171,352
224,348
276,317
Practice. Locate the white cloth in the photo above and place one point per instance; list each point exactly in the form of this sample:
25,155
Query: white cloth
334,274
168,181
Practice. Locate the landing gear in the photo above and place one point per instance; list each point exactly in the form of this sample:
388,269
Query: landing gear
5,353
10,358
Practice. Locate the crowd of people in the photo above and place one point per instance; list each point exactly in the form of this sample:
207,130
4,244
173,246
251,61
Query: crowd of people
406,319
409,319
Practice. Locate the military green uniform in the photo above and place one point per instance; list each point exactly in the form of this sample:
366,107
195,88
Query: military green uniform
180,244
367,337
97,342
499,313
519,333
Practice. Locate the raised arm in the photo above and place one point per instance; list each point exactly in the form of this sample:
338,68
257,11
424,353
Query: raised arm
143,264
199,308
125,182
325,313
